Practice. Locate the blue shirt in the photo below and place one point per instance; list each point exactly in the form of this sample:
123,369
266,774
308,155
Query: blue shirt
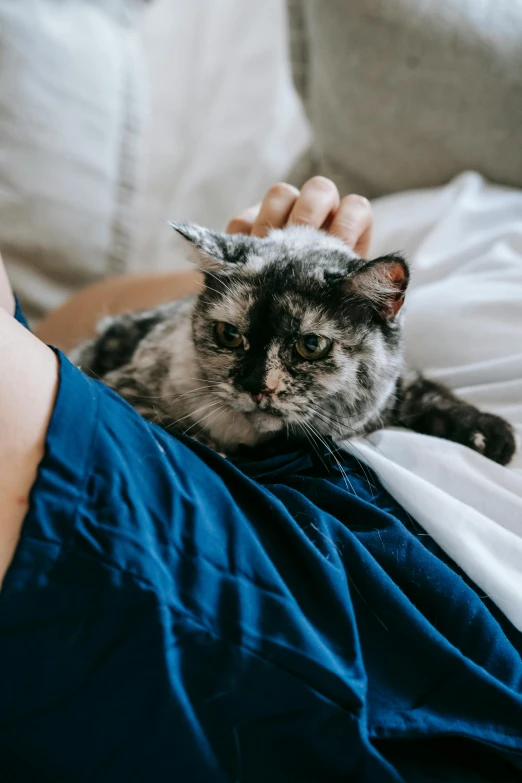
170,615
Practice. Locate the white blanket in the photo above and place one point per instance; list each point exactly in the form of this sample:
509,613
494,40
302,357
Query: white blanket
464,328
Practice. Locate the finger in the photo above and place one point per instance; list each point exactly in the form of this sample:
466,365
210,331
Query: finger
243,222
319,199
275,209
353,223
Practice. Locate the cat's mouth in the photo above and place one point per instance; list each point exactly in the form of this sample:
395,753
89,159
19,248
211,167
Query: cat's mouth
257,406
268,413
265,410
266,404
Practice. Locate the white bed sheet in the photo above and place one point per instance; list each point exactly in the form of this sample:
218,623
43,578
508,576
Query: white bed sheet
464,328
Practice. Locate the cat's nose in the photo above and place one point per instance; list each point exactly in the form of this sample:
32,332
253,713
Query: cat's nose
261,386
267,392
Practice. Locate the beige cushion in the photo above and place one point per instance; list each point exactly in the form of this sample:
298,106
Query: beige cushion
69,133
408,93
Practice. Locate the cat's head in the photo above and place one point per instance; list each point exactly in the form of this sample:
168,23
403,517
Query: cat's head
295,331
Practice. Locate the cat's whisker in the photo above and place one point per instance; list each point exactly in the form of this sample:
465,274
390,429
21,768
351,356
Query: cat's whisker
386,486
162,397
219,413
90,371
343,472
192,413
160,420
364,469
207,272
310,440
199,422
209,288
117,388
367,475
195,378
415,525
191,391
331,419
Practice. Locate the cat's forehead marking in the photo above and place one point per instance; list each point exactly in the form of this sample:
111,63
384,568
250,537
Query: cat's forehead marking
310,318
276,377
234,305
314,319
273,360
292,305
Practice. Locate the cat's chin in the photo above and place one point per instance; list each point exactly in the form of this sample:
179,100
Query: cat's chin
248,429
264,421
267,421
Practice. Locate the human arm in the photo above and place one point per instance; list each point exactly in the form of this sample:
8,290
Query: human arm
29,379
28,376
76,320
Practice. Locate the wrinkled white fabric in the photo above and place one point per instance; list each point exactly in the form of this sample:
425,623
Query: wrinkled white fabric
463,328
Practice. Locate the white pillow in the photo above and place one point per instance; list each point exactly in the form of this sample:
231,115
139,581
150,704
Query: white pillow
70,118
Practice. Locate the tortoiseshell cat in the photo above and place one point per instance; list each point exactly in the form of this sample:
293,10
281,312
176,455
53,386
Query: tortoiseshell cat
290,334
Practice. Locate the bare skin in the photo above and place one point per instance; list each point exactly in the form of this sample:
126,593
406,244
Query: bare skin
29,373
29,369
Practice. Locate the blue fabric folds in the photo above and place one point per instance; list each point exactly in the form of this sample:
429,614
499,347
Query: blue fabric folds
171,615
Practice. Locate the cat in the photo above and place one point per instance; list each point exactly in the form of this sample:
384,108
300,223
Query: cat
291,335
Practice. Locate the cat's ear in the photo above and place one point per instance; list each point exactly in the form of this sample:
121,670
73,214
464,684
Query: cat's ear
381,282
207,249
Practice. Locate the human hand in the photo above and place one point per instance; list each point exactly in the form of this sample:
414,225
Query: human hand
317,204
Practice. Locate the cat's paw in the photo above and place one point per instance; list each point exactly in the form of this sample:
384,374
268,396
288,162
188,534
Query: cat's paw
493,437
431,408
490,435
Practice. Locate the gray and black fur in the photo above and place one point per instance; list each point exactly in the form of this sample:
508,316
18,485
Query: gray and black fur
297,284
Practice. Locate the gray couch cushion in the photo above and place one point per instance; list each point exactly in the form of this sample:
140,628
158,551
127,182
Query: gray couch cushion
408,93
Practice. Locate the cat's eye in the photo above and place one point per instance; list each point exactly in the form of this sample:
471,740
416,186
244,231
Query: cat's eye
227,336
313,346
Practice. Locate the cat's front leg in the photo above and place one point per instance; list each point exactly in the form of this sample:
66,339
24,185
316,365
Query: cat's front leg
432,409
